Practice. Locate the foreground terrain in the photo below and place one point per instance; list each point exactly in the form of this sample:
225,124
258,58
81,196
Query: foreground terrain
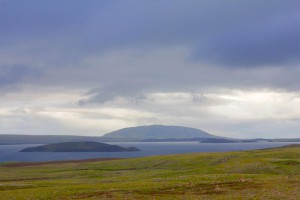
258,174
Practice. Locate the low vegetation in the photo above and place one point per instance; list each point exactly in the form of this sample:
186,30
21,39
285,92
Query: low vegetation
259,174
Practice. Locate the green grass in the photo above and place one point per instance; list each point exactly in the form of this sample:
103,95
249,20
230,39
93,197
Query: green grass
258,174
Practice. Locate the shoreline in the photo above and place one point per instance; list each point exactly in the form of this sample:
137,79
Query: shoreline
84,160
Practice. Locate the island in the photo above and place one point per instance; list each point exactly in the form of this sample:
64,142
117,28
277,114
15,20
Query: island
140,133
79,147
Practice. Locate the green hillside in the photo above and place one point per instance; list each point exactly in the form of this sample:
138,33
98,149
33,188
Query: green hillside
258,174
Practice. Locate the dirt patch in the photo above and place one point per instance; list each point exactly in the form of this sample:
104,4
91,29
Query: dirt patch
288,162
293,163
203,189
26,179
99,195
4,187
180,189
223,160
27,164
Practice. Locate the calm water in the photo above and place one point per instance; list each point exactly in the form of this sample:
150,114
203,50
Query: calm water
11,152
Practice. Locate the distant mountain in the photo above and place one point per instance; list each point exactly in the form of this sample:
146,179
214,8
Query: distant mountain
153,133
79,147
159,132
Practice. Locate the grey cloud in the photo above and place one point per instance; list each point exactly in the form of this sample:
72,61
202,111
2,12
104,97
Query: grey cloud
192,79
59,36
129,50
110,92
231,33
269,42
227,33
12,75
199,98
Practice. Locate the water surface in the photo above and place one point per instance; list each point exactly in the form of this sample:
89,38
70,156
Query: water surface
9,153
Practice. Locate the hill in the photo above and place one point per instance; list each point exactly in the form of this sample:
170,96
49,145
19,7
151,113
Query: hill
259,174
79,147
153,133
159,132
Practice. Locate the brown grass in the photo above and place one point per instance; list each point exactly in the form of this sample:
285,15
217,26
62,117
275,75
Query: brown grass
27,164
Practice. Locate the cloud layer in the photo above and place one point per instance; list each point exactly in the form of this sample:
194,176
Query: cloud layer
170,61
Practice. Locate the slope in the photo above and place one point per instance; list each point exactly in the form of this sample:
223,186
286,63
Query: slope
159,132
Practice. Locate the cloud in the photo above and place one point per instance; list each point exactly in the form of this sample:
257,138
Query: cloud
169,61
270,42
235,113
231,33
10,76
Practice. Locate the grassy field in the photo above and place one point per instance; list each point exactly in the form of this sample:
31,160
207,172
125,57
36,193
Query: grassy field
258,174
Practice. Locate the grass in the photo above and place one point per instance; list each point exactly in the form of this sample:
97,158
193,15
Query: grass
258,174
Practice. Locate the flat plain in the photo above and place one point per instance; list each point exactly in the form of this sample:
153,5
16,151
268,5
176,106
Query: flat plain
257,174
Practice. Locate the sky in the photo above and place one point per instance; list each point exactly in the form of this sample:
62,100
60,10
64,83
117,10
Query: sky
77,67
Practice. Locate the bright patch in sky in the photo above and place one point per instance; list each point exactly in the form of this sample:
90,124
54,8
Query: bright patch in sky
224,113
89,67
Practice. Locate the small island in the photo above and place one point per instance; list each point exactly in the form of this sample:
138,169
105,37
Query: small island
79,147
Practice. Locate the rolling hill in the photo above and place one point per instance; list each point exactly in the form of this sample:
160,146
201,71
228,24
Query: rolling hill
258,174
159,132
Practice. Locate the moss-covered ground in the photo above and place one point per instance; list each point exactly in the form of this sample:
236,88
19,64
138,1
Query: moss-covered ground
258,174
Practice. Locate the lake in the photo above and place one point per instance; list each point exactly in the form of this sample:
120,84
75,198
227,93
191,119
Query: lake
9,153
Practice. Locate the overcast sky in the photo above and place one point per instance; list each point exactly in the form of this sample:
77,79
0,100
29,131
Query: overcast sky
231,68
